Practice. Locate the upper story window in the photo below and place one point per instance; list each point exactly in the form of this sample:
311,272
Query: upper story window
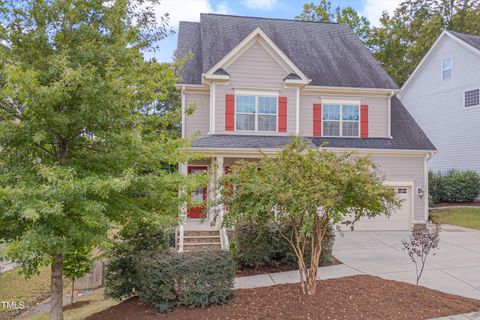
256,113
341,120
447,67
472,98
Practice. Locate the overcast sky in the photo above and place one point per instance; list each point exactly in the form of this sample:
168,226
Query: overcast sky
189,10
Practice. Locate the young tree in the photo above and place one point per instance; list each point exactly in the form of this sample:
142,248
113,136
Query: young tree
420,243
76,265
80,150
306,190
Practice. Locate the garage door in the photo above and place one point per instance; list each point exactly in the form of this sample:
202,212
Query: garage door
400,219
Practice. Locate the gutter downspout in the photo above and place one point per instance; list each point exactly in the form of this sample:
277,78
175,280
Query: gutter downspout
389,110
183,112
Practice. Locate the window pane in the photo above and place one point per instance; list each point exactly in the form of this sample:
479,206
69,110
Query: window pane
267,123
267,105
472,98
350,112
447,64
331,112
447,74
350,129
331,128
245,104
245,122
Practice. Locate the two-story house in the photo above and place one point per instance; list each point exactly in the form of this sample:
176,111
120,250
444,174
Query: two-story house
443,96
254,82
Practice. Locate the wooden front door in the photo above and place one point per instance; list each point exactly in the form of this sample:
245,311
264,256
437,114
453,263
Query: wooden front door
199,195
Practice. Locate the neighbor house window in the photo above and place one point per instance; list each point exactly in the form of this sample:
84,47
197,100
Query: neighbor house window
341,120
447,69
256,113
472,98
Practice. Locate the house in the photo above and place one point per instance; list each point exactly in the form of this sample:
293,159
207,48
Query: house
443,96
254,82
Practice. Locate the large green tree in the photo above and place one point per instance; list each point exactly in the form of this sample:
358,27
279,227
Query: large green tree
304,190
324,12
86,144
403,39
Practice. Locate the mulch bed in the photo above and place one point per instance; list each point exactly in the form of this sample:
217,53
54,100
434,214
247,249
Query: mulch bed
279,268
356,297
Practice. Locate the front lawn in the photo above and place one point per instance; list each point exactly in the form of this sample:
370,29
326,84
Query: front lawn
357,297
463,217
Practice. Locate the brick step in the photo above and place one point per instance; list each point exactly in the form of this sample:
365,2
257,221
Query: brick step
201,246
191,233
205,239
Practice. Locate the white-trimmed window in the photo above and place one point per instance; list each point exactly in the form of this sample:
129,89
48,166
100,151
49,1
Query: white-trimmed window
472,98
341,120
447,66
256,113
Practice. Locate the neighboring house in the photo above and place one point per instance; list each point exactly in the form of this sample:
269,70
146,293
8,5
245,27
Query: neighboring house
254,82
443,96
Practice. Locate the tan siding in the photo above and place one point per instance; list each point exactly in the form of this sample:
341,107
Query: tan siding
397,168
377,113
198,122
254,69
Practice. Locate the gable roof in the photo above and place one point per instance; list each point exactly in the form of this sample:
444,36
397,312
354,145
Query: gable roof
406,135
469,41
329,54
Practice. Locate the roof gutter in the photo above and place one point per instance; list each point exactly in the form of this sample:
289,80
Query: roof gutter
383,91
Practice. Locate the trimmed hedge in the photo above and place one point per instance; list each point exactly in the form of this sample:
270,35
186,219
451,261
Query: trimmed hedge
256,246
453,186
122,274
196,279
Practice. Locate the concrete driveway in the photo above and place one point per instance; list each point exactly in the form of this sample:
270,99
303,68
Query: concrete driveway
454,269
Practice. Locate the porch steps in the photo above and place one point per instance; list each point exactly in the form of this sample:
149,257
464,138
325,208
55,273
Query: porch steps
201,240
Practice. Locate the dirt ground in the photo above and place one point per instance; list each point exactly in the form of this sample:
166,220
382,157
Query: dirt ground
356,297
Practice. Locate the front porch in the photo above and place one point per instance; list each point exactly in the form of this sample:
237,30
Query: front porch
200,227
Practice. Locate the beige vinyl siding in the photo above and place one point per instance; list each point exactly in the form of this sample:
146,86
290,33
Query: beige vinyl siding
254,70
199,121
377,113
403,168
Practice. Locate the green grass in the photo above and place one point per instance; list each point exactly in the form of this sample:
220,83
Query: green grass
464,217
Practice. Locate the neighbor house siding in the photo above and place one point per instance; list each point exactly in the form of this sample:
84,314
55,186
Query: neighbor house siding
377,113
438,106
199,120
254,70
403,168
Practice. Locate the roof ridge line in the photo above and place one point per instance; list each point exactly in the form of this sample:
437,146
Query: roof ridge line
266,18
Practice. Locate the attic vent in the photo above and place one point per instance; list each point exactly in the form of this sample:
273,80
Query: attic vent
472,98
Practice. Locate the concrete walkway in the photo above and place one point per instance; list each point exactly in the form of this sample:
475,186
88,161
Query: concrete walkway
454,269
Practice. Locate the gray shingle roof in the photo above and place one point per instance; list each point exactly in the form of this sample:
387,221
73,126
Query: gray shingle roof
471,39
406,133
330,54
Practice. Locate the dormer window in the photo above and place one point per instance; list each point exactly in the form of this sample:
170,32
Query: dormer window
256,113
447,67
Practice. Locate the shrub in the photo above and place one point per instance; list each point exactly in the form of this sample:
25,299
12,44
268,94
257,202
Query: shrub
122,274
196,279
258,246
454,186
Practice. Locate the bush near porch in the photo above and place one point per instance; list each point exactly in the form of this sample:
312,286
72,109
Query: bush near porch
254,246
453,186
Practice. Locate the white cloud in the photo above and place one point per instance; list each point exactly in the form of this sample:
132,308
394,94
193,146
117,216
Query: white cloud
373,9
260,4
188,10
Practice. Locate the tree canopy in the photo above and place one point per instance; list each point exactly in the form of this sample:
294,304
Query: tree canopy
400,41
86,140
305,190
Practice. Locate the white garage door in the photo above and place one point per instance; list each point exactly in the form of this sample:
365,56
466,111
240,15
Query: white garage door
398,220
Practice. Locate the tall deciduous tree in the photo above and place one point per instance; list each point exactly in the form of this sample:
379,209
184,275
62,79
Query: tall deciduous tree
85,145
305,189
323,12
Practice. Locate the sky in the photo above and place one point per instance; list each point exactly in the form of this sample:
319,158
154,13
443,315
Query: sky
189,10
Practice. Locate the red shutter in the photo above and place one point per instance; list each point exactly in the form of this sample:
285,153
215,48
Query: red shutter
317,119
229,112
282,114
364,121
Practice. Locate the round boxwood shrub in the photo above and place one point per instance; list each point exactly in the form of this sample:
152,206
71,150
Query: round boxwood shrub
196,279
453,186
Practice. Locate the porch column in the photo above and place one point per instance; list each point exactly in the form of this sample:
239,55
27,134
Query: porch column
182,168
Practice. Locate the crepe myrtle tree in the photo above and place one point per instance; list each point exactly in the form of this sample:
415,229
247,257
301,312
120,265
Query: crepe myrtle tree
85,146
305,189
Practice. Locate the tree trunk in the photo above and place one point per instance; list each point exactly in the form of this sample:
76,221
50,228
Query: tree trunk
73,289
312,282
56,288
